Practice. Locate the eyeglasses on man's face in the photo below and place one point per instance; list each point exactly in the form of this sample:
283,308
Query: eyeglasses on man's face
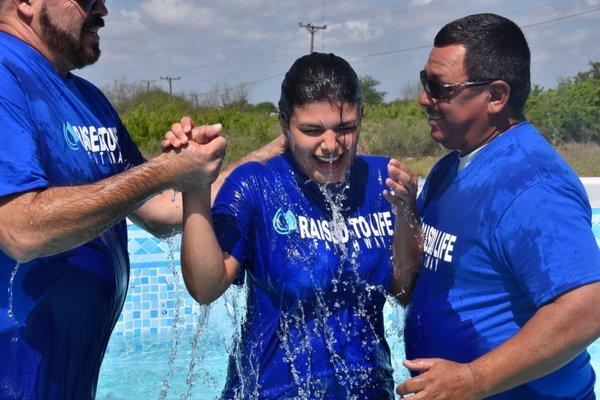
87,5
442,90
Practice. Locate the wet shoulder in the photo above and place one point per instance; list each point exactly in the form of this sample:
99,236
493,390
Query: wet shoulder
373,164
524,158
254,174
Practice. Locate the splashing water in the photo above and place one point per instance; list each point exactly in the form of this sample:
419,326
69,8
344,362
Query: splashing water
196,354
10,311
173,242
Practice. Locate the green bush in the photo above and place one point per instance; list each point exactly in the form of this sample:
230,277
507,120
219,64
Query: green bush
571,111
565,114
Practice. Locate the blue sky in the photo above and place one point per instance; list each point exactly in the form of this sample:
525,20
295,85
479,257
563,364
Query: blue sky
221,43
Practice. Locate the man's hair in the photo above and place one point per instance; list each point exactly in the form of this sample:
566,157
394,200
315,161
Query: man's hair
496,49
317,77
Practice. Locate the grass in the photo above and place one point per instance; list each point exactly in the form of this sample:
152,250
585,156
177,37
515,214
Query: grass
584,158
408,142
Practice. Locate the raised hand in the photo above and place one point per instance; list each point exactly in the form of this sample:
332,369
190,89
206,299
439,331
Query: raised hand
185,130
402,185
192,155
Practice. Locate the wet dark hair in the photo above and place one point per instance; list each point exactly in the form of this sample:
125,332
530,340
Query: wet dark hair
496,49
317,77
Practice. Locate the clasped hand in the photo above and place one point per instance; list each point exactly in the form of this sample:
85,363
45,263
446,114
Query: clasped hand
197,152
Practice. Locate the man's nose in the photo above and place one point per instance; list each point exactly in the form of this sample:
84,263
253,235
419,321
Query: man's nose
425,100
100,8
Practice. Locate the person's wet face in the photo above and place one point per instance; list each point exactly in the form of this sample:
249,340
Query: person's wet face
323,138
70,30
456,121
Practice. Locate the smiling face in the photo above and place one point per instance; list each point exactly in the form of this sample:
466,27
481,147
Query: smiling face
70,31
323,138
460,121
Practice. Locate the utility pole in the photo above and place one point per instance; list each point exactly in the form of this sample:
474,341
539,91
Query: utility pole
312,29
170,80
148,82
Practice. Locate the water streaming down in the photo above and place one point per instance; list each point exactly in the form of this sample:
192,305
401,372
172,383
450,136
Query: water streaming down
298,349
173,242
10,311
196,356
346,279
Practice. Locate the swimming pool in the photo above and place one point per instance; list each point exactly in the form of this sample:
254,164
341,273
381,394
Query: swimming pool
153,354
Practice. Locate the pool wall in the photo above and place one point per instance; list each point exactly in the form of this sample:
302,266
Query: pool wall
157,295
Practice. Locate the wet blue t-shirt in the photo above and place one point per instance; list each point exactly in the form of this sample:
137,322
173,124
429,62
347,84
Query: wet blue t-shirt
502,238
57,314
316,281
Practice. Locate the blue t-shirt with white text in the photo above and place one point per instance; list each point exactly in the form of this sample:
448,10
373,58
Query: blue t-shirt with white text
502,238
316,281
57,320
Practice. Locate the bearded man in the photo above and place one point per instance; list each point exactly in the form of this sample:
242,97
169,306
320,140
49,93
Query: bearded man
69,174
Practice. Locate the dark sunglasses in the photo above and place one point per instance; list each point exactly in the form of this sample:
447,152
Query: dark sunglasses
440,90
87,5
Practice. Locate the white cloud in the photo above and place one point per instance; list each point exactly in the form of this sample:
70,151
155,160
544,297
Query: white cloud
246,40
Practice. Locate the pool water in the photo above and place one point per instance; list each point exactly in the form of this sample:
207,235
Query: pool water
135,367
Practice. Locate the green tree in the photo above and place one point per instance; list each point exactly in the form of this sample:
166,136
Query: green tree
265,107
371,95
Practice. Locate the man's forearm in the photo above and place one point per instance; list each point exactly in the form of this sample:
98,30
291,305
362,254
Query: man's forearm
550,339
42,223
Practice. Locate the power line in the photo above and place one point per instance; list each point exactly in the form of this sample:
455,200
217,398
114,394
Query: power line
170,79
383,53
148,82
241,85
560,18
277,35
312,29
518,11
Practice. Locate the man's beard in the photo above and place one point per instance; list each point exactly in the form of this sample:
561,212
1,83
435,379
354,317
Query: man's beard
69,46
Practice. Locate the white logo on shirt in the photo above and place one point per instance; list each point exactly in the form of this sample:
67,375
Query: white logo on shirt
437,245
101,143
371,228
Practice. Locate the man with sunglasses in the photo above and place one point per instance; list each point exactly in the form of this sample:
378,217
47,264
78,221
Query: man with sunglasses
69,174
508,290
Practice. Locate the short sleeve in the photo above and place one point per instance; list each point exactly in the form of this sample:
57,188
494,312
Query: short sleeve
131,153
545,237
21,167
234,214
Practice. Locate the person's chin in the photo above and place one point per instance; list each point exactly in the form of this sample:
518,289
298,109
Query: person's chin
330,175
437,135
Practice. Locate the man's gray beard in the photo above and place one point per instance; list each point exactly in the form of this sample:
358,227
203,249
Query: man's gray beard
65,44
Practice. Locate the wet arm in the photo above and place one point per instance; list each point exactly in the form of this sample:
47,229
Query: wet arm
41,223
406,246
207,271
162,215
551,338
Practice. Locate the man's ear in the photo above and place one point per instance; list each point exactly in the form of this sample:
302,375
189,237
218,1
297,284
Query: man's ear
285,129
498,96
